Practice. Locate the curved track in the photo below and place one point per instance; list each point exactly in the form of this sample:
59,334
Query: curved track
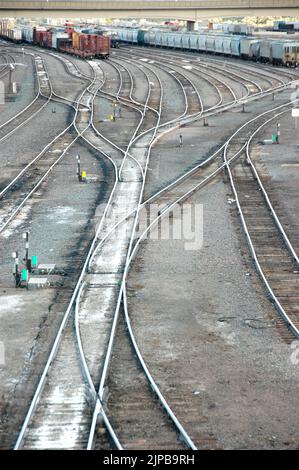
80,394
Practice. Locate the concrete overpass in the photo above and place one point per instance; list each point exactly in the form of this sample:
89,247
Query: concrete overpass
191,10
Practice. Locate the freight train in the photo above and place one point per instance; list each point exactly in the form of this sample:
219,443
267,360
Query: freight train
67,39
261,49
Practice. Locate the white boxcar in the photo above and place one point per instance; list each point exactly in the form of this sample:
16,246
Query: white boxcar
285,53
17,34
246,47
27,34
247,29
202,42
129,35
58,35
123,34
135,36
266,51
194,42
151,38
171,38
235,46
219,45
225,27
186,41
255,47
159,39
226,45
178,40
279,50
164,39
210,44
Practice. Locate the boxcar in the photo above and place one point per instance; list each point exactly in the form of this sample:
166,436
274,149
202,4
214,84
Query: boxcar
202,42
255,48
219,45
265,51
235,46
178,40
226,45
186,41
194,42
150,38
246,47
164,40
210,44
102,46
27,34
285,53
15,35
37,31
171,39
140,37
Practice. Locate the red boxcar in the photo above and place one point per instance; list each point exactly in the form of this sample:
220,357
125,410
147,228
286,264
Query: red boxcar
83,42
92,44
49,39
37,32
103,47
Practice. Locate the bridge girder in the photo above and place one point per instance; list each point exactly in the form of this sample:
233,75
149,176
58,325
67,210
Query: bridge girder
188,15
192,10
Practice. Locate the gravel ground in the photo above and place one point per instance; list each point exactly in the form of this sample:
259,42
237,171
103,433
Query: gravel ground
224,368
206,331
24,76
60,218
22,146
66,85
168,161
279,166
231,386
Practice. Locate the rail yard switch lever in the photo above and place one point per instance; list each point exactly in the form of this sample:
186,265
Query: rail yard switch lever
16,272
78,166
278,134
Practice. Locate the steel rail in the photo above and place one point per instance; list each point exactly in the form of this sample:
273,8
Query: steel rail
263,70
112,334
271,208
56,343
39,95
236,75
206,79
58,338
281,310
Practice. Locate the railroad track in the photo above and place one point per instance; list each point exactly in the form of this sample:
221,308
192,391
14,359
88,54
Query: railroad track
39,430
247,84
41,437
17,192
274,76
274,256
40,101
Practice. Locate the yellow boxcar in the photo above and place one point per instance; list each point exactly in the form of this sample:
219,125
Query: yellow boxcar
75,39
